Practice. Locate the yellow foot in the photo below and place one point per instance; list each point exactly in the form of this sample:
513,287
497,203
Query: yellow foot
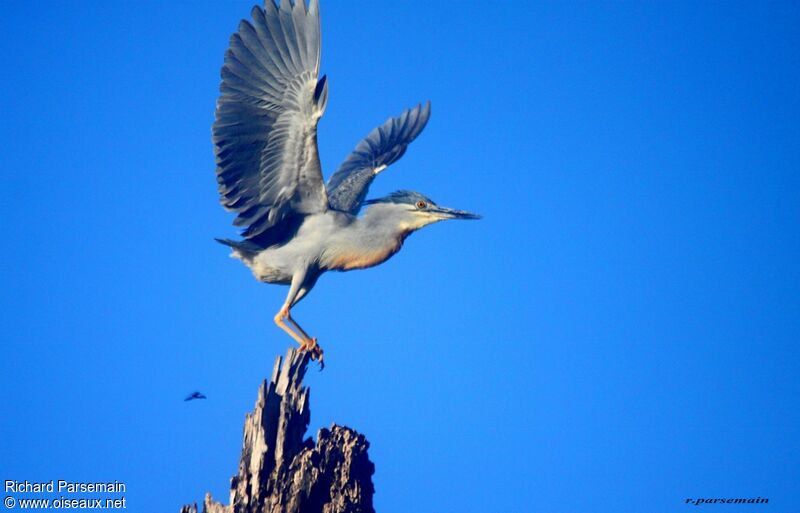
316,351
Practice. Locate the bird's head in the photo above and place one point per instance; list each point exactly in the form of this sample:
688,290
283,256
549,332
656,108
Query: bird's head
411,210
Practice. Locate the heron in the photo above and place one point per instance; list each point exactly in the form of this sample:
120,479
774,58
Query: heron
295,226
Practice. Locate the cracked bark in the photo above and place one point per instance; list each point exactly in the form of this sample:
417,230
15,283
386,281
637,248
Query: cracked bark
280,471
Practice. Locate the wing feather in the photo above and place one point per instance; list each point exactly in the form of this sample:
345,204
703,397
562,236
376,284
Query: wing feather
348,187
265,128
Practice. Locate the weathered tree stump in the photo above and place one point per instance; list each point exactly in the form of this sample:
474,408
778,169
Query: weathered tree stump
279,471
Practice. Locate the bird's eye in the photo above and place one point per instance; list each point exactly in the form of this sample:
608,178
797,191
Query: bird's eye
421,204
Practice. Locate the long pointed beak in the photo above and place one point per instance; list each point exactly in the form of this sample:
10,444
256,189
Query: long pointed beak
451,213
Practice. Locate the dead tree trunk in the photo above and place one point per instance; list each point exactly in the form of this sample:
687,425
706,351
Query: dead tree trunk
280,471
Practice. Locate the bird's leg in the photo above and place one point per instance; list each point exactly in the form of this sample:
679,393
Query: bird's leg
296,292
282,315
311,342
297,326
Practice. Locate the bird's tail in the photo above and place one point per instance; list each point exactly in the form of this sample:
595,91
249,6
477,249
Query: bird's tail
244,249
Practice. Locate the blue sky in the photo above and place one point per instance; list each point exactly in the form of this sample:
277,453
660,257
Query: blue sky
619,333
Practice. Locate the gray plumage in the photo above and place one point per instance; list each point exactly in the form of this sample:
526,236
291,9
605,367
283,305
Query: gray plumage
268,169
348,187
265,133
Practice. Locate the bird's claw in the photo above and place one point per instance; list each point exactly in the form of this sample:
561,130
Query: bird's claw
315,351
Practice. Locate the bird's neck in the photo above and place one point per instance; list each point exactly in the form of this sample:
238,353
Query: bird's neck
366,242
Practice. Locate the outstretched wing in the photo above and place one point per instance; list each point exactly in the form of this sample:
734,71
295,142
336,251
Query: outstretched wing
348,187
265,132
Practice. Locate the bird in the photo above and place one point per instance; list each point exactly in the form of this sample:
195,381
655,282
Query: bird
295,226
195,395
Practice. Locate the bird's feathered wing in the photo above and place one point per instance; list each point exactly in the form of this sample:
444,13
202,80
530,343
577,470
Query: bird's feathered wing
348,187
265,131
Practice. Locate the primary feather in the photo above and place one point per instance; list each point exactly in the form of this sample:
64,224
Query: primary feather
265,131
